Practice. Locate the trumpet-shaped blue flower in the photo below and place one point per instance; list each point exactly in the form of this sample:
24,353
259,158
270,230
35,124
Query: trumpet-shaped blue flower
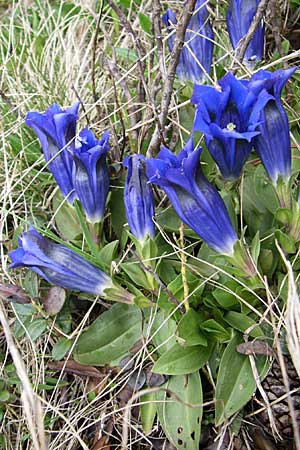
58,265
91,177
273,144
239,16
138,198
229,119
56,129
196,55
195,200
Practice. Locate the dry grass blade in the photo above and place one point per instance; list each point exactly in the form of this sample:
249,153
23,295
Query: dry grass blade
31,404
292,319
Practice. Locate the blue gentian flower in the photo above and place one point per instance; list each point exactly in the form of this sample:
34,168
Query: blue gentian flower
138,198
196,55
56,129
239,17
273,144
58,265
91,176
195,200
229,119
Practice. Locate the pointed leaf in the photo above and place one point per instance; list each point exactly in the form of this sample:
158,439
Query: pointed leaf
181,422
182,360
110,336
235,382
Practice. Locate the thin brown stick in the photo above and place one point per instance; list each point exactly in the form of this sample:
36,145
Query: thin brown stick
244,42
156,21
95,95
171,71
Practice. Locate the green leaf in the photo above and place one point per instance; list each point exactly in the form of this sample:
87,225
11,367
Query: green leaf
110,336
189,330
285,242
163,331
148,412
108,253
182,360
241,322
66,218
216,329
4,396
36,328
255,247
31,284
181,422
284,215
225,296
24,310
135,272
235,382
126,54
145,23
60,348
264,190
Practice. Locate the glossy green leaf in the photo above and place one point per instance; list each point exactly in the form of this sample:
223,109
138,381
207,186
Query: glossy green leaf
61,348
241,322
181,422
180,360
189,330
110,336
235,381
148,412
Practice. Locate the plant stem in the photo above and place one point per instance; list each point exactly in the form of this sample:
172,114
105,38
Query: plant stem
85,230
183,269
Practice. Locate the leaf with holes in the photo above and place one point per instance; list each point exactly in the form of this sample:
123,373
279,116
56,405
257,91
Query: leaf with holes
235,382
181,420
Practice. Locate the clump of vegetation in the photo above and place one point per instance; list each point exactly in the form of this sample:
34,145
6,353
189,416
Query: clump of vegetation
150,204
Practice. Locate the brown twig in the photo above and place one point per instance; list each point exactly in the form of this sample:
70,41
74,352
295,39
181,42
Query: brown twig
142,86
95,95
244,42
14,109
156,23
171,71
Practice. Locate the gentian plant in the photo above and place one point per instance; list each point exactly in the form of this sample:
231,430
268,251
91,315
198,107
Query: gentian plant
172,276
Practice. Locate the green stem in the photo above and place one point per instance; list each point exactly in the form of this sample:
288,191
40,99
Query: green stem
85,230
